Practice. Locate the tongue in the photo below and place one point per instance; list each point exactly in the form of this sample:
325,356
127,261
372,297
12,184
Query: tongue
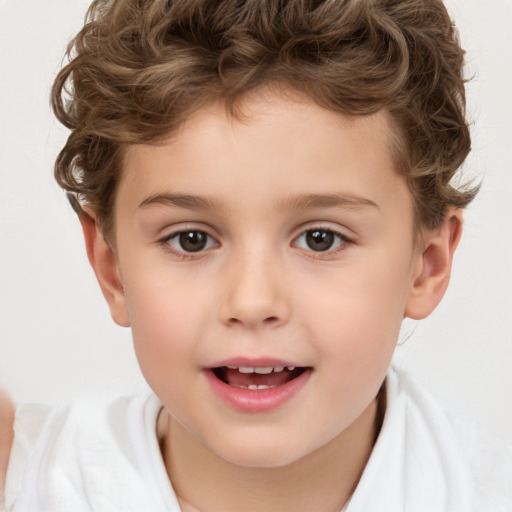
235,378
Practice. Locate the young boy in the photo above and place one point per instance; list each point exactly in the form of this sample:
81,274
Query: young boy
266,191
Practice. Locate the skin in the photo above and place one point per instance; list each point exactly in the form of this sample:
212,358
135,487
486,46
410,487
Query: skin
6,435
258,289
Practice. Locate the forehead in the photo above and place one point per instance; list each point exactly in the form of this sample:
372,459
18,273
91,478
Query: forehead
276,147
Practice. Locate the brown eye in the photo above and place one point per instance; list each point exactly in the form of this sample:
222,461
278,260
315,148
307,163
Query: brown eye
190,241
320,240
193,241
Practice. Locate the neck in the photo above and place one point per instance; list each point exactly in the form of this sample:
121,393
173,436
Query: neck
322,481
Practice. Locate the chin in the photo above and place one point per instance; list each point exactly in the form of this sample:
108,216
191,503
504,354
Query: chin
251,452
261,460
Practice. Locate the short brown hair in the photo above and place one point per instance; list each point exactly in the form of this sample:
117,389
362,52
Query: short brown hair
139,68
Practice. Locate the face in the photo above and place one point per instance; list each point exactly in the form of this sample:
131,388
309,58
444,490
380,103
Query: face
266,266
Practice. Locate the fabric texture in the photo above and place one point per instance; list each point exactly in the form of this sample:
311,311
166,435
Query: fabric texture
103,456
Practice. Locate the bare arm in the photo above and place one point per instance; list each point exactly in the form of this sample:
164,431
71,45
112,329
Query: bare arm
6,435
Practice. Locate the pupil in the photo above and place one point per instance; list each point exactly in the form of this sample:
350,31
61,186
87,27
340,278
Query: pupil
319,240
193,241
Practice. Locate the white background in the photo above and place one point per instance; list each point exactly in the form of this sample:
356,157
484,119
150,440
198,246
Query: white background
57,340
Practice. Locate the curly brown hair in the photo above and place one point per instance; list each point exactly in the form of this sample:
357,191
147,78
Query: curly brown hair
139,68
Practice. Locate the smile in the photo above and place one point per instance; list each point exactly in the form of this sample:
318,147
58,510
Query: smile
254,378
257,388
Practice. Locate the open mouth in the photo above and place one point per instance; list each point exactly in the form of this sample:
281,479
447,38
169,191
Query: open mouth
257,389
257,378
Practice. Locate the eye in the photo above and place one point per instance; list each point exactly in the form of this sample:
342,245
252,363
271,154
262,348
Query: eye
320,240
190,241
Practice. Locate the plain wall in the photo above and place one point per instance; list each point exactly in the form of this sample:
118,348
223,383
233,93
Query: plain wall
57,340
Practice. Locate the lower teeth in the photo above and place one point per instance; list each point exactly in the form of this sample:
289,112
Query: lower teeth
253,387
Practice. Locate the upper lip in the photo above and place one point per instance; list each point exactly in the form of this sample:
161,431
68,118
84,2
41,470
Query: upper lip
248,362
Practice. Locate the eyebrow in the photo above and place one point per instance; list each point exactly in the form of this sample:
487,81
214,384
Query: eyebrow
301,202
187,201
310,201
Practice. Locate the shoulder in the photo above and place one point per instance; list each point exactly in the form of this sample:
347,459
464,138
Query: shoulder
490,460
6,434
95,453
481,453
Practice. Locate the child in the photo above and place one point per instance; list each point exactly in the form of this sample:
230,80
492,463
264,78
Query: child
265,190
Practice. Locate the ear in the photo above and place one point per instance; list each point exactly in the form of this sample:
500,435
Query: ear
433,266
104,263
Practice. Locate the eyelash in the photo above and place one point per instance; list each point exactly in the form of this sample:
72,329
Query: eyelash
339,239
166,242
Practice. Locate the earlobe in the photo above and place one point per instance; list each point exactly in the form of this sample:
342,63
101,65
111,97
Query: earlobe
104,263
434,265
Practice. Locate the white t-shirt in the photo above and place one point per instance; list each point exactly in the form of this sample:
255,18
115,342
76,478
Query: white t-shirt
104,457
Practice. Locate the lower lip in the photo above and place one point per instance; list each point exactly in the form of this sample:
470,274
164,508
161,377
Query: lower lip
257,400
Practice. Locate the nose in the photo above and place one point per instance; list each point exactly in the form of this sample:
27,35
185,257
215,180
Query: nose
255,293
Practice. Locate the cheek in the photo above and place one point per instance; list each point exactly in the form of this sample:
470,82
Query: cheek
165,326
357,327
360,313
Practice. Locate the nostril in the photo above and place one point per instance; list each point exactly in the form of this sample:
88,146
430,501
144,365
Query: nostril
269,320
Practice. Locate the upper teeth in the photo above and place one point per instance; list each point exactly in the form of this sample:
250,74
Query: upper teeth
262,369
